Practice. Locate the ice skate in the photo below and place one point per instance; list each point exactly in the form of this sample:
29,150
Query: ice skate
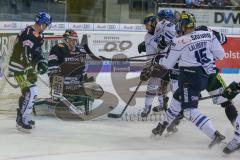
146,111
20,125
158,108
217,139
32,123
159,129
232,146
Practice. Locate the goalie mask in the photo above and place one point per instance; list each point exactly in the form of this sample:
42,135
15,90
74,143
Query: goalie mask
71,39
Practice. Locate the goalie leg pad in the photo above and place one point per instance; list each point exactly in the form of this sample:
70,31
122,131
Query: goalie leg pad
93,90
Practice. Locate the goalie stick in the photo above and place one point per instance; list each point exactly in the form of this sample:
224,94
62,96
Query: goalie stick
112,115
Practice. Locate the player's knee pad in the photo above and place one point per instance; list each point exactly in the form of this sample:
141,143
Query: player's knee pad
230,111
194,115
152,89
220,99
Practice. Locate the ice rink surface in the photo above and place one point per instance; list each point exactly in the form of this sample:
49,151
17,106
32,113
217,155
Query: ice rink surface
111,139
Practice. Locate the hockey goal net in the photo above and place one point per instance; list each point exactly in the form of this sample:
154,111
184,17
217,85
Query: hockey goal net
9,95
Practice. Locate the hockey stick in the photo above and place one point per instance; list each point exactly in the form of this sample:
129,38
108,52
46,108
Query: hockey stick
208,97
102,58
112,115
129,58
90,53
64,100
11,84
123,59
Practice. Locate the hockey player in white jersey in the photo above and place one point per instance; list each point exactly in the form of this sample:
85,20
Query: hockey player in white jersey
195,51
164,32
152,44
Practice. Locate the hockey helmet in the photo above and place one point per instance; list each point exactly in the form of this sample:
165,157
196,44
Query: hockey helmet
187,21
151,20
165,14
43,18
71,38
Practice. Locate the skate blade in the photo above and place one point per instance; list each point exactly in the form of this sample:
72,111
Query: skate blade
155,136
19,128
232,152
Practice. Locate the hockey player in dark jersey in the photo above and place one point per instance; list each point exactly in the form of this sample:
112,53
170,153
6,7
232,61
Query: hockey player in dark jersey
26,62
68,60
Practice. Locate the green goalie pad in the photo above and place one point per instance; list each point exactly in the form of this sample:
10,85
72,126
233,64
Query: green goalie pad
43,105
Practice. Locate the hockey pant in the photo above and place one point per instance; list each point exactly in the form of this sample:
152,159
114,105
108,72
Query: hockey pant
186,98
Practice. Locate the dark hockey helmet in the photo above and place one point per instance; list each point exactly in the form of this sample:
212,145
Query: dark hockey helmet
187,21
151,20
71,38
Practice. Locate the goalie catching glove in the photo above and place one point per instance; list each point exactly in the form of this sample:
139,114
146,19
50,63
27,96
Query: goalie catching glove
232,90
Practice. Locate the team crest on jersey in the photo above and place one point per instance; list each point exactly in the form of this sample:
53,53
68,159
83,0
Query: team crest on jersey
28,43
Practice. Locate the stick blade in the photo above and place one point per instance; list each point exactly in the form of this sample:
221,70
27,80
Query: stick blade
112,115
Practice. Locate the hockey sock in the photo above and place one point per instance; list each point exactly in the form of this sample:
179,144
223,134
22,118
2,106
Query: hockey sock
201,121
172,111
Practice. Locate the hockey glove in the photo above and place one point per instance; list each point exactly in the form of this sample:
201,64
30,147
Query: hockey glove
162,44
145,74
31,75
232,90
141,47
155,60
42,67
